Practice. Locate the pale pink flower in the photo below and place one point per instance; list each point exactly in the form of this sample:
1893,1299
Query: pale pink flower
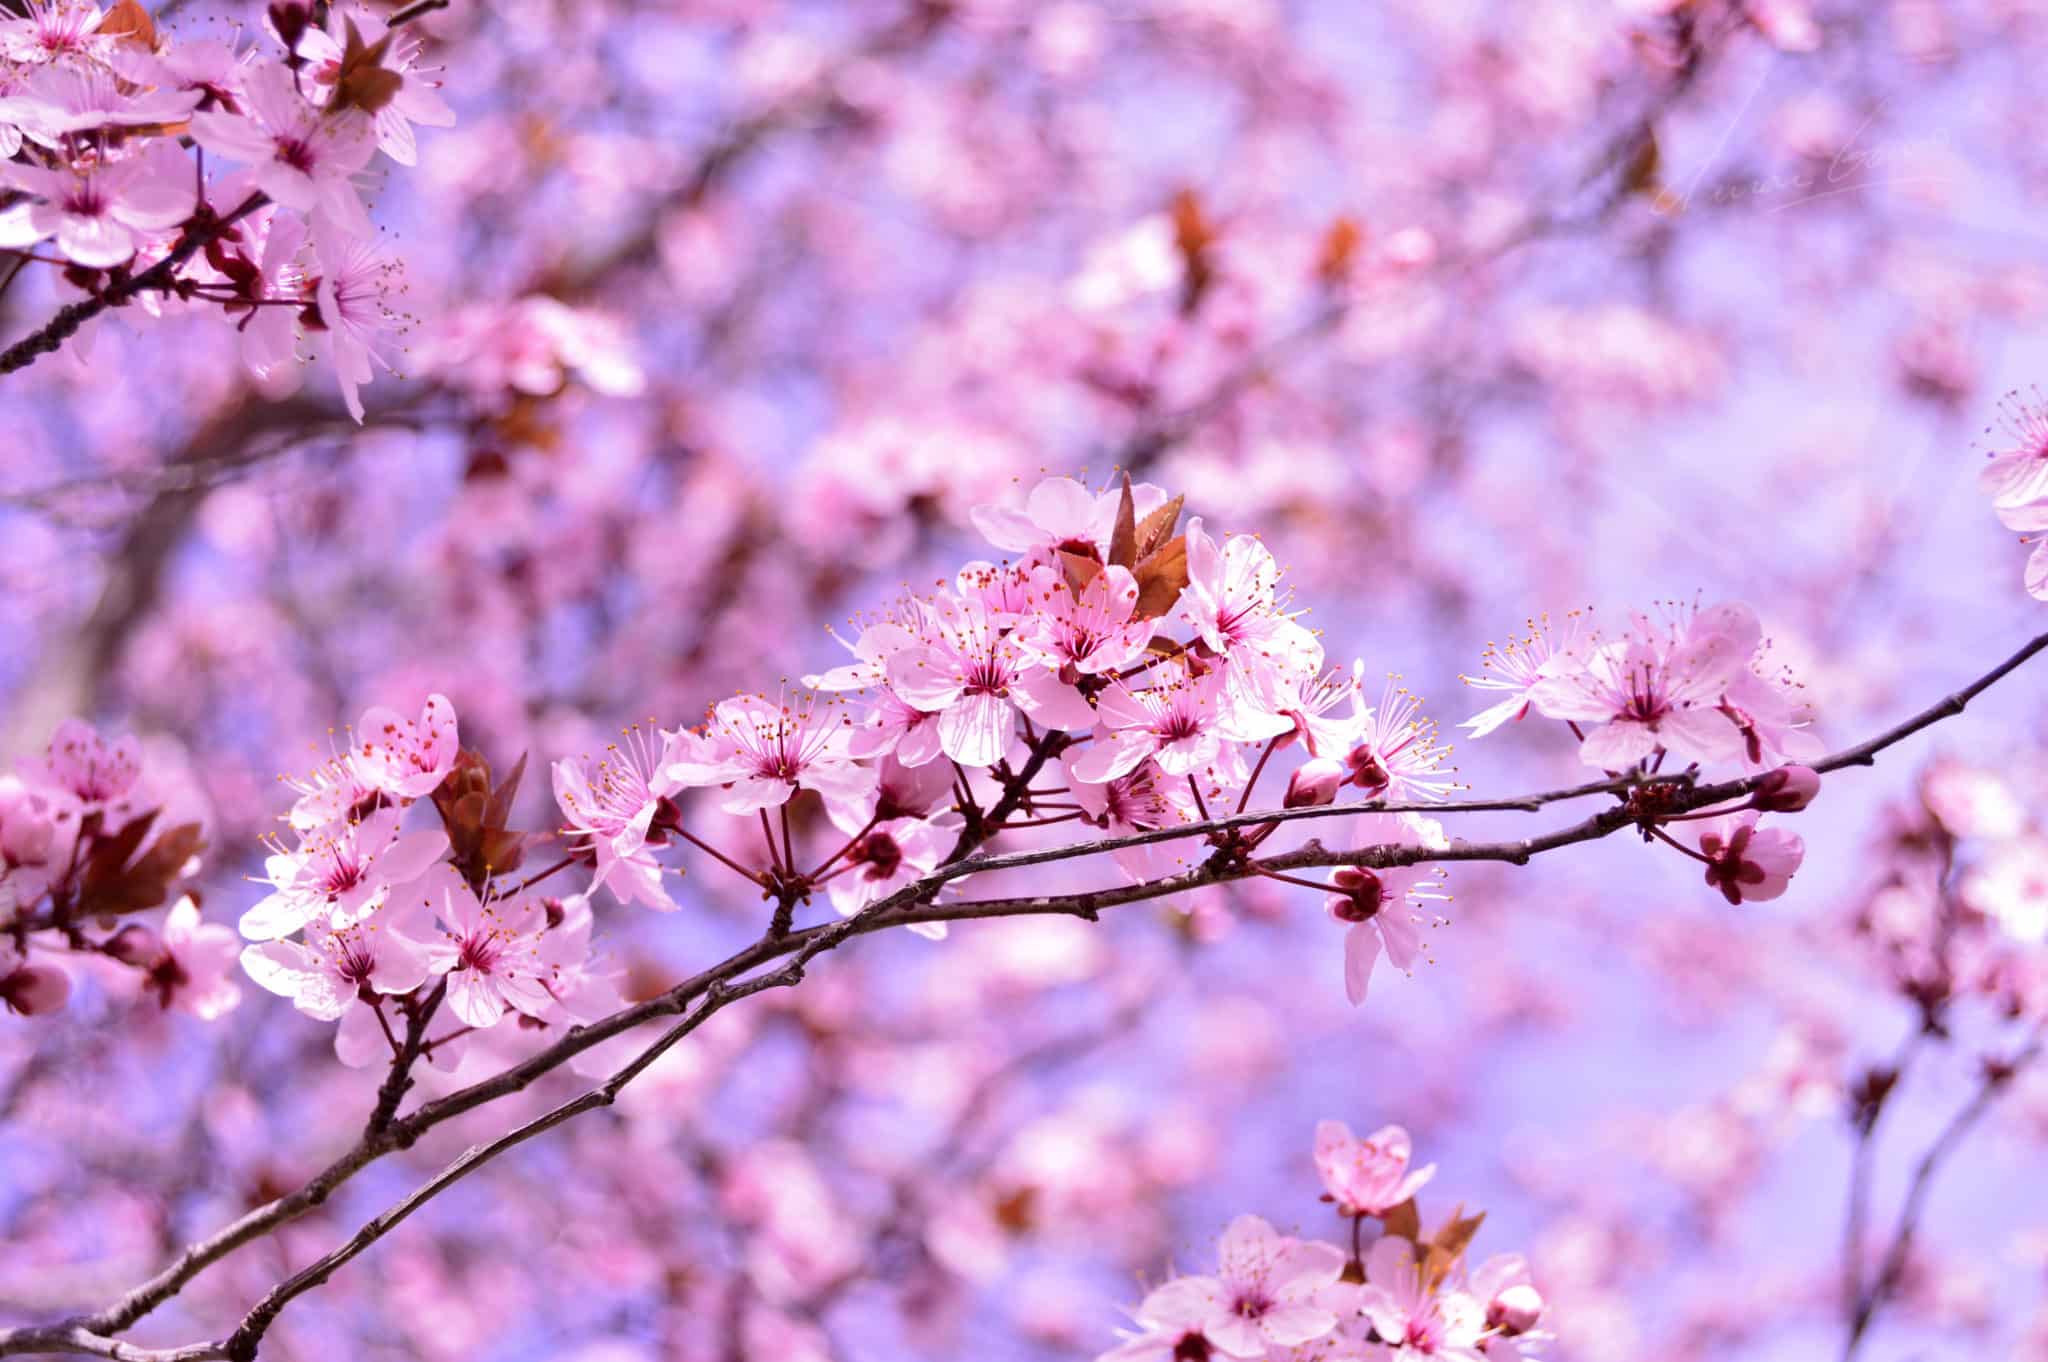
2031,518
1180,723
195,969
763,751
1745,863
884,859
1122,805
1517,668
303,157
61,101
341,874
2018,471
1088,634
1232,603
901,790
327,973
30,988
977,678
100,215
29,852
1326,708
1060,513
1267,1285
353,322
1514,1307
1369,1176
613,803
498,954
1776,727
418,99
1660,688
207,69
1446,1325
87,767
1397,754
405,758
1383,907
53,30
1176,1318
269,274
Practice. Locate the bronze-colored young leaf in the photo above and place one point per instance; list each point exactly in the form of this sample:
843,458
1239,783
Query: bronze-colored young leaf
362,82
1449,1244
131,23
1123,540
1080,570
1161,577
1403,1220
1339,250
1155,529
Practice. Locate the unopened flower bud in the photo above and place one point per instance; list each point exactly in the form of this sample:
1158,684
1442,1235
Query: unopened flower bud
1516,1310
1357,895
135,945
1315,784
34,990
1787,789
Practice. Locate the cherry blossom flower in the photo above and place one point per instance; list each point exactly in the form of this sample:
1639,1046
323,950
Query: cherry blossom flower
1086,633
2018,472
1446,1325
1179,723
417,100
1312,703
1122,805
1060,513
85,766
883,859
612,804
1518,667
353,321
53,30
60,101
331,972
1787,789
977,678
30,988
2031,518
194,971
405,758
1232,604
1382,906
342,874
1176,1318
1745,863
1369,1176
1266,1288
1397,754
29,852
1514,1307
303,157
1659,688
763,751
1775,727
499,954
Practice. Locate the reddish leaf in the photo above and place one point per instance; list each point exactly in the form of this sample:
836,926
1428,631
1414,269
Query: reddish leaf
1123,540
1161,576
1155,529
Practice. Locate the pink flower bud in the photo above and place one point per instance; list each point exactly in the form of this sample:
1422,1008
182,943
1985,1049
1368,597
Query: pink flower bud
1315,784
1787,789
1516,1309
1358,897
34,990
135,945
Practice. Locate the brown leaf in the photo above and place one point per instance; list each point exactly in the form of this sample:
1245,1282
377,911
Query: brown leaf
1123,540
1340,250
362,82
1640,173
1403,1220
131,23
113,886
1161,576
1081,570
1155,529
499,811
1193,234
1450,1244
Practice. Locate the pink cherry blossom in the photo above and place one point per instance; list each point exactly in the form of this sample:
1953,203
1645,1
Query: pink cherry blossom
2018,472
1176,1318
763,751
1660,687
1180,722
891,854
1418,1321
1369,1176
978,679
302,156
1383,906
1085,633
1061,513
418,98
1744,862
1517,667
405,758
353,323
612,804
194,971
1267,1287
1232,603
500,953
1396,754
341,874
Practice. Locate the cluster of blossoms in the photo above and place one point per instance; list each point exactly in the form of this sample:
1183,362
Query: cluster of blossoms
366,914
90,839
97,110
1691,684
2016,480
1405,1294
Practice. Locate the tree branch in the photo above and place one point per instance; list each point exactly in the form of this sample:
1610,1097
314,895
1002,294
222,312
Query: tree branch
717,987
